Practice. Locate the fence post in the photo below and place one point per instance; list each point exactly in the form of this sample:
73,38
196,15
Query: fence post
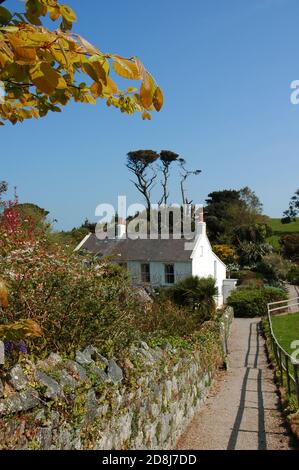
275,351
296,366
288,374
280,366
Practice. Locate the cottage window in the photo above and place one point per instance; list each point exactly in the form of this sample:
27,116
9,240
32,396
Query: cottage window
145,273
169,273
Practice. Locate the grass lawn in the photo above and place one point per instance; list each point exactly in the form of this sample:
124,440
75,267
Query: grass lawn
280,229
286,330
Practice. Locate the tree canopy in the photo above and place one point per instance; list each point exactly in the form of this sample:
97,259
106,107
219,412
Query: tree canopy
42,70
293,210
231,210
147,164
140,163
167,157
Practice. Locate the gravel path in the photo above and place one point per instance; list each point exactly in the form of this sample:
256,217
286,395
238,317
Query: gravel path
293,292
242,409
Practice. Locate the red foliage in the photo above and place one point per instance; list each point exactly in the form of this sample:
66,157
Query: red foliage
13,224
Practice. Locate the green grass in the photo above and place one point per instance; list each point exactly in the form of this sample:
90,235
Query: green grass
279,230
274,241
286,330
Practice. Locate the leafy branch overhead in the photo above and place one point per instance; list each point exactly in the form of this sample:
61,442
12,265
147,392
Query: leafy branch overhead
42,70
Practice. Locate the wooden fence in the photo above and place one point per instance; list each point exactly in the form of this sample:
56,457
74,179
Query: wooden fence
287,364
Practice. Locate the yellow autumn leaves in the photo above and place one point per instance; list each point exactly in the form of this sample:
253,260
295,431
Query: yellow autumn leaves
3,295
40,68
151,95
45,78
19,330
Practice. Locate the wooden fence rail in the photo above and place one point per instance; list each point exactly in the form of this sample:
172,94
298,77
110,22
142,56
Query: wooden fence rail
286,363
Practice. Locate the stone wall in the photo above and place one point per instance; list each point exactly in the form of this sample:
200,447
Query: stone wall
90,402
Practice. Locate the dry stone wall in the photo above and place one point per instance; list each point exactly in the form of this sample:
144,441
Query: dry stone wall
91,402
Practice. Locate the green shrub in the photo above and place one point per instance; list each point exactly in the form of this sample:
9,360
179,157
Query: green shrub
290,246
80,301
75,305
197,294
78,304
293,275
246,277
273,267
253,302
256,233
254,283
164,318
251,253
244,274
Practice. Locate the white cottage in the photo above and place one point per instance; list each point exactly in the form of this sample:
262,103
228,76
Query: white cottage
163,262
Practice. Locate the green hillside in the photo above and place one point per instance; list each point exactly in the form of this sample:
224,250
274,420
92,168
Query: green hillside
280,229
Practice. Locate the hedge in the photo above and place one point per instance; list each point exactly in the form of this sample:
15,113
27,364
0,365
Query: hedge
253,302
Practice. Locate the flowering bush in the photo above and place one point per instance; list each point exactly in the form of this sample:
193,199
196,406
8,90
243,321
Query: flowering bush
75,301
15,230
226,253
75,305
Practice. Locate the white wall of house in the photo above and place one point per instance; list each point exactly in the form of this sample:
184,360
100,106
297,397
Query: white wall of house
157,271
205,263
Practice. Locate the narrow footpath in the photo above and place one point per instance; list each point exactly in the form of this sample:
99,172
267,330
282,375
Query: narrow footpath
242,409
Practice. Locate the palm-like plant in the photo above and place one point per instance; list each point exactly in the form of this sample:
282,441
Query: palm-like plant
251,253
198,294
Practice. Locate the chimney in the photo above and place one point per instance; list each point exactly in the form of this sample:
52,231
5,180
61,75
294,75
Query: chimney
121,229
200,225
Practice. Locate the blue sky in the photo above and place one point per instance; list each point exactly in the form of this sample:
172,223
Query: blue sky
225,68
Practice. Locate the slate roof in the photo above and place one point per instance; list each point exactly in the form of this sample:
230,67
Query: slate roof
171,250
